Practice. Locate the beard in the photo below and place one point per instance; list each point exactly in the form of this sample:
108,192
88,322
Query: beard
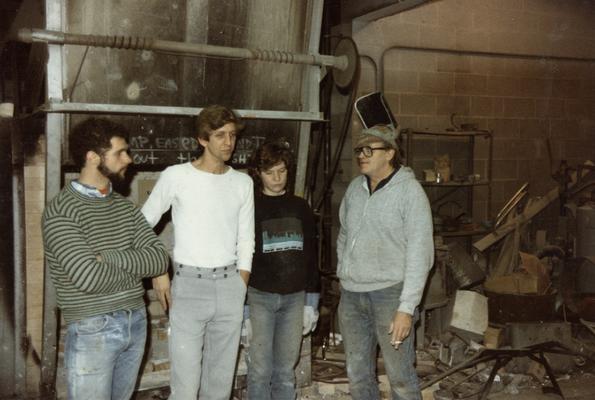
113,176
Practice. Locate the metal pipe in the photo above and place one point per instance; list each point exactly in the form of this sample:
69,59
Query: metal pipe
309,94
55,128
181,48
540,57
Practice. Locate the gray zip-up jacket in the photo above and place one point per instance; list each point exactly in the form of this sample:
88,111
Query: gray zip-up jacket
386,238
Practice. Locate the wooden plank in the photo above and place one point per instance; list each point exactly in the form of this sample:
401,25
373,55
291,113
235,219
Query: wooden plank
531,210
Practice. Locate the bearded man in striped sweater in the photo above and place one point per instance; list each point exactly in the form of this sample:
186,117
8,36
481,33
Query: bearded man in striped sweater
99,247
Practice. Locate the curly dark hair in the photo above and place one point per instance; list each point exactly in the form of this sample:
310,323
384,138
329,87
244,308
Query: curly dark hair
267,156
93,134
214,117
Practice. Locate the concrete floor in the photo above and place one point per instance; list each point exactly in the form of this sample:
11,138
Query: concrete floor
330,382
576,387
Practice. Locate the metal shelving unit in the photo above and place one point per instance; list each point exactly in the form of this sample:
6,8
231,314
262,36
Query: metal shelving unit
468,139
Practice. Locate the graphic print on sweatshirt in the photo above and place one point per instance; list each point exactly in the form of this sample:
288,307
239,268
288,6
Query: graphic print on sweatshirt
282,234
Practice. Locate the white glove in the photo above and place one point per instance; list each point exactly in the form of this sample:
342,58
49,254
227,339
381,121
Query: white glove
246,335
310,319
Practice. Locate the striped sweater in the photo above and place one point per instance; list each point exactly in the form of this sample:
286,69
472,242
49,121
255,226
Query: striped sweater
98,251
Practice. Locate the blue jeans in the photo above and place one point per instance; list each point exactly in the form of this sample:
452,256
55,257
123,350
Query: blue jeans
103,355
365,318
275,346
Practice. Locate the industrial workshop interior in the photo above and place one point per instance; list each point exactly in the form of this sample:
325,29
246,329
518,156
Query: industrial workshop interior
490,106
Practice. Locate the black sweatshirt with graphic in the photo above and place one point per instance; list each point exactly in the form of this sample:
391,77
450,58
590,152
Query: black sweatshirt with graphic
285,258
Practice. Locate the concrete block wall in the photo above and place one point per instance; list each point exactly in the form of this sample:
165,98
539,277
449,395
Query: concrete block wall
525,101
34,173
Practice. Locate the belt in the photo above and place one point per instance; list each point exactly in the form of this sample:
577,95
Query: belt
191,271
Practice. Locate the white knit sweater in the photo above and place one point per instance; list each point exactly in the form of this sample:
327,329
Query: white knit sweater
213,215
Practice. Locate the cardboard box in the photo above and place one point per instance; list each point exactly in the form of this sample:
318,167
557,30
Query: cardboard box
516,283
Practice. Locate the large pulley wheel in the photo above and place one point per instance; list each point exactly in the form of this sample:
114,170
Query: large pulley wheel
344,78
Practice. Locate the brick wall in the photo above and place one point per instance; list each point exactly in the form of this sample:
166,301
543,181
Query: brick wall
524,100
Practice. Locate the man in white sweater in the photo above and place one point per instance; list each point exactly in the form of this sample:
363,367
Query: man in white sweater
213,216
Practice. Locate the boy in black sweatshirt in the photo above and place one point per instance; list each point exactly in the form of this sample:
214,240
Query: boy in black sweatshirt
283,290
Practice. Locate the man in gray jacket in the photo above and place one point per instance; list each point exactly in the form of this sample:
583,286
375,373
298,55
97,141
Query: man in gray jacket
385,251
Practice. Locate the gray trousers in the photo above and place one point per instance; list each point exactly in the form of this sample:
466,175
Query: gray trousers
205,320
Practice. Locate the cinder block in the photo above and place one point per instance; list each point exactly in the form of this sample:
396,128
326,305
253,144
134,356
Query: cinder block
550,108
469,313
367,82
418,104
434,122
587,89
399,81
504,169
392,30
392,57
519,108
504,128
408,121
34,171
503,86
529,70
586,129
579,149
417,61
518,42
563,128
453,104
472,39
34,183
487,19
532,87
481,105
579,109
489,66
454,14
565,88
392,100
436,82
454,63
34,206
533,128
35,196
432,36
470,84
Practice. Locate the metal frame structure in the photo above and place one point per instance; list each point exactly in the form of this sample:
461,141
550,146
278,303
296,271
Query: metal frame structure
56,108
502,357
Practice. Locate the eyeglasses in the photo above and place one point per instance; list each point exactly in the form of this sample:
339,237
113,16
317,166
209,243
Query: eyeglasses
367,150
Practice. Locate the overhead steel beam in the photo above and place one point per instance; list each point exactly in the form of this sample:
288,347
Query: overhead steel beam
387,8
54,106
366,12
